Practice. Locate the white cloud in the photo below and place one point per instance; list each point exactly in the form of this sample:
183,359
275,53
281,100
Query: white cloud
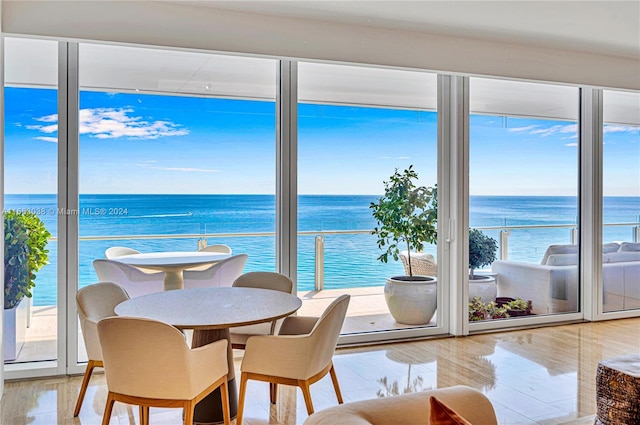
571,144
48,139
186,169
109,123
44,128
620,128
520,129
545,132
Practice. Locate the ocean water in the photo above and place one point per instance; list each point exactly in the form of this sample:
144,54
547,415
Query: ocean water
350,260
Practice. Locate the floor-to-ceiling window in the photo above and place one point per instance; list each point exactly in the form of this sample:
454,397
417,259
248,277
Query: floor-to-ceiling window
357,126
621,200
31,199
523,204
177,150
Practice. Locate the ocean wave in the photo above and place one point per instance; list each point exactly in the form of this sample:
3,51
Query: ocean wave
161,215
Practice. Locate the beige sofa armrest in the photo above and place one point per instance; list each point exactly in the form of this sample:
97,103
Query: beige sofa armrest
409,409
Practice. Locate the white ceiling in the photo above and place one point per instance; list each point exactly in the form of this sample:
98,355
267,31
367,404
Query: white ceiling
609,27
598,26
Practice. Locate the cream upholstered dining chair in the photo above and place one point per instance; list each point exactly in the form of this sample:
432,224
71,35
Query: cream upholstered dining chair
95,302
219,248
421,264
180,377
133,280
222,273
119,251
226,249
299,355
261,280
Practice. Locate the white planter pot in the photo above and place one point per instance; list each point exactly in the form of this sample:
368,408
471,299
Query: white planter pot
411,302
483,287
14,328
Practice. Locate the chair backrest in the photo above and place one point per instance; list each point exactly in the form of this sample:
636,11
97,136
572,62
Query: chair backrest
217,248
421,264
222,273
325,333
133,280
95,302
119,251
265,280
132,364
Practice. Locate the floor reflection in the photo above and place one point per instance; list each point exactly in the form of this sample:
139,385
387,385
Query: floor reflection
541,376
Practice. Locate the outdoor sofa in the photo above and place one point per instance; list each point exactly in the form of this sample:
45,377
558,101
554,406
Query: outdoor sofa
552,286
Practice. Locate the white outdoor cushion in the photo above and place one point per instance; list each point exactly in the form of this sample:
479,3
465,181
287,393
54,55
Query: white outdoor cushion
621,257
562,260
558,249
629,246
611,247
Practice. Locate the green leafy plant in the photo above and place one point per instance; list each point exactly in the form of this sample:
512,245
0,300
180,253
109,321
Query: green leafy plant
496,311
477,310
25,242
482,250
481,311
406,216
519,304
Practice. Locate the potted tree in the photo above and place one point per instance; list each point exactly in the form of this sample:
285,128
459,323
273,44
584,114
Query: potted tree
25,241
482,252
406,217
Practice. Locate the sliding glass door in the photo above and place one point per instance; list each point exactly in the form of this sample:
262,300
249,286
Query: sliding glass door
177,152
31,202
621,201
523,203
357,127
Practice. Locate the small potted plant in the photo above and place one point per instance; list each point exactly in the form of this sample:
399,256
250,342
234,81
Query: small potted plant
406,216
477,310
482,252
25,241
519,307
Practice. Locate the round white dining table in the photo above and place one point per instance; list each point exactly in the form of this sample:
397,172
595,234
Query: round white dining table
210,312
171,263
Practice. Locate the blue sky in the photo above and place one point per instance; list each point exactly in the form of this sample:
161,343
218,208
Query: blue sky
133,143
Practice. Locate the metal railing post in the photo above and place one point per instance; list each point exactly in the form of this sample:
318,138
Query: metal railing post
636,234
504,244
319,262
574,236
202,243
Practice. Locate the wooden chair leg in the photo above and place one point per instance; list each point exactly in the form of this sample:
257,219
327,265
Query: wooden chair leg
108,408
306,393
226,414
85,383
189,406
336,386
273,392
144,415
243,390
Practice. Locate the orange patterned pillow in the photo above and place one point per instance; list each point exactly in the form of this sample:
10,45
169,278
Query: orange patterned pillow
441,414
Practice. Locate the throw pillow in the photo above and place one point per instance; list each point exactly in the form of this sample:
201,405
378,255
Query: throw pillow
629,246
441,414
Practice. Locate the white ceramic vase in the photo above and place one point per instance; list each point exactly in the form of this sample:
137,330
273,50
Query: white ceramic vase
411,302
483,287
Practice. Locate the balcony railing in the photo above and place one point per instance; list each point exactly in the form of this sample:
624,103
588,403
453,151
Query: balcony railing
504,232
